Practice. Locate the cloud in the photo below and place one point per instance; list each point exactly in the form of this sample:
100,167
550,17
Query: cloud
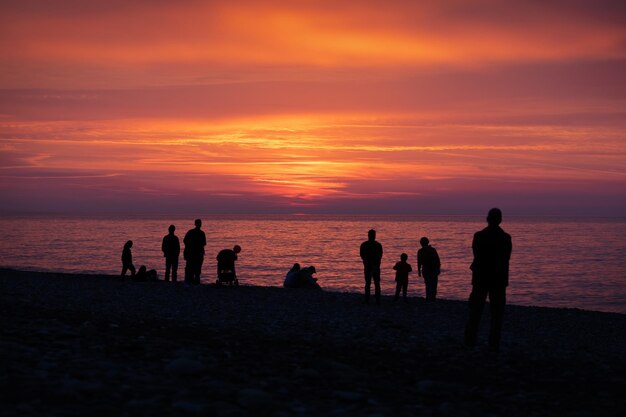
147,43
344,106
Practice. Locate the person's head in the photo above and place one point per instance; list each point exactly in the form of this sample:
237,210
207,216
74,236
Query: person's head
494,217
142,269
371,235
404,257
237,249
171,228
424,242
295,267
312,269
198,223
128,244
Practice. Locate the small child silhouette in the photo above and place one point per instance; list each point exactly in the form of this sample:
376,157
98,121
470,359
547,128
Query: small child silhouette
402,269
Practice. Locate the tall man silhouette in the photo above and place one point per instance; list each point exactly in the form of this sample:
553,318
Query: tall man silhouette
490,276
195,241
371,254
171,251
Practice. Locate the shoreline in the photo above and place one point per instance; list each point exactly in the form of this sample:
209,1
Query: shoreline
143,348
96,275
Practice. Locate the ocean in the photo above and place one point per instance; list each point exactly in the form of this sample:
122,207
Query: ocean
556,262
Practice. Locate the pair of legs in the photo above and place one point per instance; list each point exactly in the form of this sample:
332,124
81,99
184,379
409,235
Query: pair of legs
171,264
128,267
431,279
497,301
401,285
372,272
192,270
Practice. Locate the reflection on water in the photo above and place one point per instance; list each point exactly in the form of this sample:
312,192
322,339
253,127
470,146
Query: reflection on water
562,263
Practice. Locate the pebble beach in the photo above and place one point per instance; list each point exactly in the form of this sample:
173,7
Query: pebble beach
80,345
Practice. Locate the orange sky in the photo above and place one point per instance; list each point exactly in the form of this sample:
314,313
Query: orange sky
400,107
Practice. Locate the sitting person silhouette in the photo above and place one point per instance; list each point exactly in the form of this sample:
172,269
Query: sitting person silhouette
127,259
301,277
305,278
291,279
144,275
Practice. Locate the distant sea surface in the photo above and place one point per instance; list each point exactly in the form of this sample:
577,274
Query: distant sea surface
556,262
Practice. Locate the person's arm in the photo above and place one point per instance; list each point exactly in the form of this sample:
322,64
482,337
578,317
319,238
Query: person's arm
437,260
395,267
163,246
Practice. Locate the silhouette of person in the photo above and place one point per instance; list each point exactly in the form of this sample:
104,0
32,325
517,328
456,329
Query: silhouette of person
226,261
428,266
171,251
291,279
127,259
306,280
371,254
144,275
195,241
402,269
490,276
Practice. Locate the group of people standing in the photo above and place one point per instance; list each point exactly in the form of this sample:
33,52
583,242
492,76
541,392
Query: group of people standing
492,249
194,241
428,266
490,269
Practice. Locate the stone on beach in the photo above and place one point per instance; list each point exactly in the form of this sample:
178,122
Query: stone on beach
72,344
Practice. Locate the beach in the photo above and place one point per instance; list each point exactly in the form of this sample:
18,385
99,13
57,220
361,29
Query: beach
75,344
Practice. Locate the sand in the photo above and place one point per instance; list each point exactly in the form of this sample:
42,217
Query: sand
96,345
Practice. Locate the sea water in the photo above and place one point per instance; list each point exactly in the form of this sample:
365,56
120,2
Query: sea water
556,262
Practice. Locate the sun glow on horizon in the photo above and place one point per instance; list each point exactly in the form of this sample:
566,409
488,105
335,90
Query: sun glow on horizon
343,106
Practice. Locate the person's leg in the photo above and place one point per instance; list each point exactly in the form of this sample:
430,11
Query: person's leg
376,278
435,281
188,272
405,287
367,271
168,267
497,301
398,288
124,269
198,271
132,270
174,269
476,304
428,283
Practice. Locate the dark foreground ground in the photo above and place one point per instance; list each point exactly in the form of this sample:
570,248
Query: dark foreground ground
93,345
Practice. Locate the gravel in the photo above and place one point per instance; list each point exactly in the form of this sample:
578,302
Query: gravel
86,344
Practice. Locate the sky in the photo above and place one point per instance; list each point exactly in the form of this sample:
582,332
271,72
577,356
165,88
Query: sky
304,107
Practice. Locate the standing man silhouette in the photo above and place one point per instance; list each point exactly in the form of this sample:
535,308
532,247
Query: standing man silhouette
490,276
195,241
171,251
371,254
428,266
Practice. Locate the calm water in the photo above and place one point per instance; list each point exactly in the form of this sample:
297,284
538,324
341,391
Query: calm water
556,262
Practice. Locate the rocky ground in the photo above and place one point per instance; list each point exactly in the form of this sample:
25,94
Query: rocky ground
95,345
